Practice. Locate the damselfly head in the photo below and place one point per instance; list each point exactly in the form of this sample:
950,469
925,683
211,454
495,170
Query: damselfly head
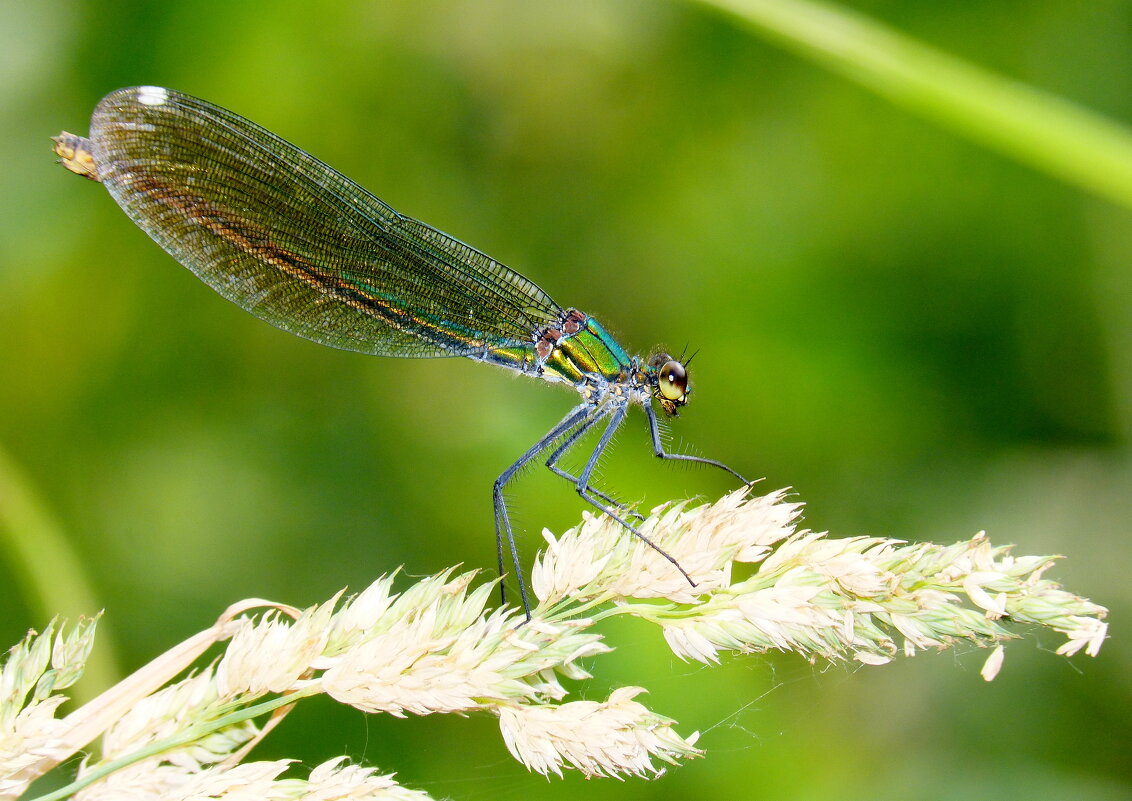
669,382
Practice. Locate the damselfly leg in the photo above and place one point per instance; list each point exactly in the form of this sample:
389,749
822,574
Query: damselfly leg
568,443
658,448
577,416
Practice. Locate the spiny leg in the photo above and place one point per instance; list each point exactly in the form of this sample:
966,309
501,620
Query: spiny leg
569,442
576,416
658,448
582,485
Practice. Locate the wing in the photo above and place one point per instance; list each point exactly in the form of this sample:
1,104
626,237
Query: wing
296,243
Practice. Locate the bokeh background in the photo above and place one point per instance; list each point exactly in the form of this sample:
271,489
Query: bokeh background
922,337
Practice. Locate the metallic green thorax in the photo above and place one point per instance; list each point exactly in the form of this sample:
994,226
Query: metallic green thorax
590,351
574,350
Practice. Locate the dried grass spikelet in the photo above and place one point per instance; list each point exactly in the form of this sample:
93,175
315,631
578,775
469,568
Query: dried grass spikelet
599,557
612,738
436,646
861,598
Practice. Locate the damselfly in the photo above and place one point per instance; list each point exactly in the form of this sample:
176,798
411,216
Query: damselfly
296,243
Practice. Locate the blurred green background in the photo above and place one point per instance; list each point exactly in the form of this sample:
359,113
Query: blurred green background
920,336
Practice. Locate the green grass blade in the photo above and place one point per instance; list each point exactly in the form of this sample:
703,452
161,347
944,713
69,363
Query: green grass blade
1032,126
49,573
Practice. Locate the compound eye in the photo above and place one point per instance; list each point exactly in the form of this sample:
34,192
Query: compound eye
673,381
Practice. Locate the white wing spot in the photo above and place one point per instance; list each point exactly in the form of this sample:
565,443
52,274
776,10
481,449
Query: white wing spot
152,95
